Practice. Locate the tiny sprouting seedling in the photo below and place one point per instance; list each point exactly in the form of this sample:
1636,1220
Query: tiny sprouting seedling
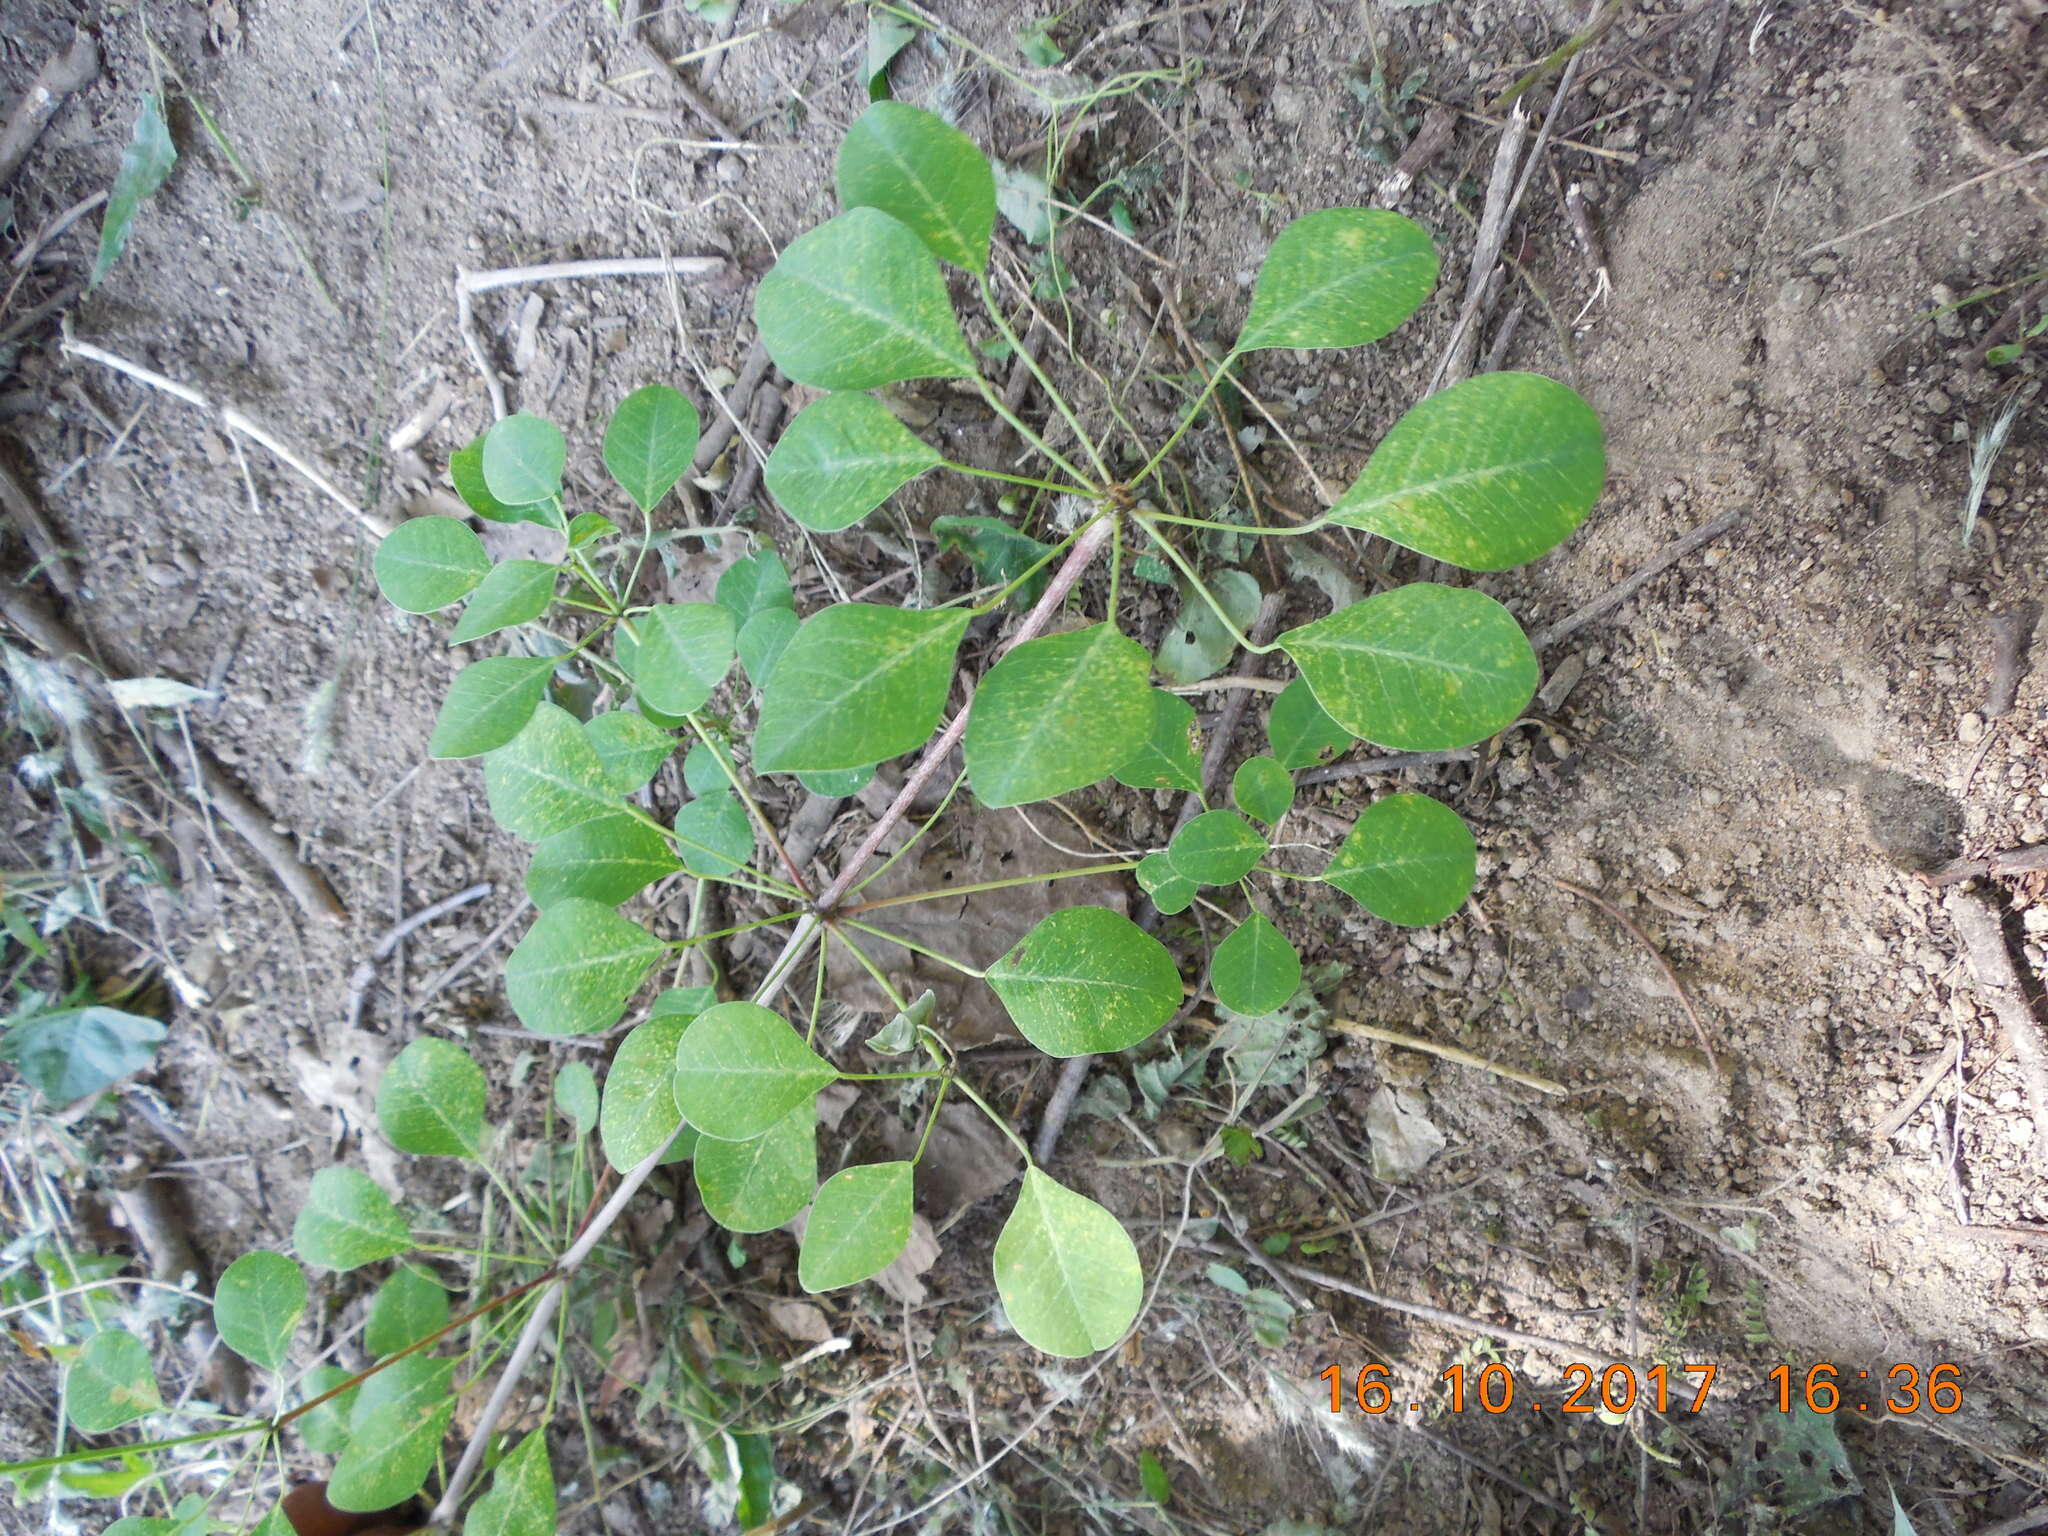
1484,476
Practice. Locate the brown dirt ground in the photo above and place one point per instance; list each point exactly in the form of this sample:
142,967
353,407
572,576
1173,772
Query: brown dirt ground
1765,748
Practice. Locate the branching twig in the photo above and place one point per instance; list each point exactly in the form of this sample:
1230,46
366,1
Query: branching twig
1977,924
1622,591
359,980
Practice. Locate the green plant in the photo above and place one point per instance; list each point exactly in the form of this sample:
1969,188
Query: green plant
1486,475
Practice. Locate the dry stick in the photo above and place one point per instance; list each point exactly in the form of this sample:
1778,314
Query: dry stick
36,530
72,70
1493,233
2002,329
732,407
2009,634
2009,861
1924,203
1446,1053
235,421
1684,997
2033,1520
57,224
687,93
307,886
1923,1090
359,980
1366,767
1977,924
1622,591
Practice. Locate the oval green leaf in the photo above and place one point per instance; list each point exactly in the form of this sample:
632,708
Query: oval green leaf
858,303
466,473
1168,759
325,1428
1302,733
639,1112
431,1100
576,1096
1262,789
547,779
838,782
515,592
630,748
763,639
1408,859
650,442
488,704
1170,890
758,1184
606,861
925,174
841,457
1216,848
714,838
684,651
704,770
1485,475
1056,714
1339,278
522,1497
741,1068
395,1431
110,1383
1420,668
577,967
426,563
859,683
348,1222
755,584
523,458
257,1307
1067,1271
858,1225
1255,970
1087,980
408,1307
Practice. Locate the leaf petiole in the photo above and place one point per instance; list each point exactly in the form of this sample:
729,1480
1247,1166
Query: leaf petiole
1201,589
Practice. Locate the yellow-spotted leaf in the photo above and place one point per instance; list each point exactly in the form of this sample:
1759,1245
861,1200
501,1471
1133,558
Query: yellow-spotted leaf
1087,980
577,967
758,1184
1408,859
1339,278
1057,714
1068,1273
741,1068
858,1224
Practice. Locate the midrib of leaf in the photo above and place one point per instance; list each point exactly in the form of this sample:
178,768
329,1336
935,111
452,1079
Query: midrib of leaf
1417,659
1067,1291
934,205
586,962
1553,463
855,299
1316,295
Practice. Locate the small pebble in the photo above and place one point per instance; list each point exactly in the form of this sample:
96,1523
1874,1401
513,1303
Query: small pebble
1970,729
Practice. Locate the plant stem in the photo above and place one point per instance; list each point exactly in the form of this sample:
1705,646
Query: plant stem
984,885
1251,530
916,949
996,474
1001,1124
1194,413
1201,590
767,827
1059,401
932,1120
995,403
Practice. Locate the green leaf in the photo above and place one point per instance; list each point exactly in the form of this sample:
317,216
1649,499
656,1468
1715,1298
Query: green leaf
522,1497
1153,1476
1216,848
1024,198
110,1384
841,457
900,1033
689,1002
523,458
1197,643
606,861
1419,668
741,1068
757,1185
763,639
348,1222
73,1052
466,472
408,1307
589,527
516,592
1302,734
858,1225
1056,714
1086,981
1485,475
1339,278
325,1429
576,1096
858,303
395,1431
577,967
887,36
1168,759
755,584
713,835
144,164
1067,1272
650,443
837,782
1035,43
704,770
489,703
426,563
1408,859
431,1100
257,1306
1255,970
640,1111
859,683
1262,789
630,748
547,779
998,553
1170,890
684,651
925,174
